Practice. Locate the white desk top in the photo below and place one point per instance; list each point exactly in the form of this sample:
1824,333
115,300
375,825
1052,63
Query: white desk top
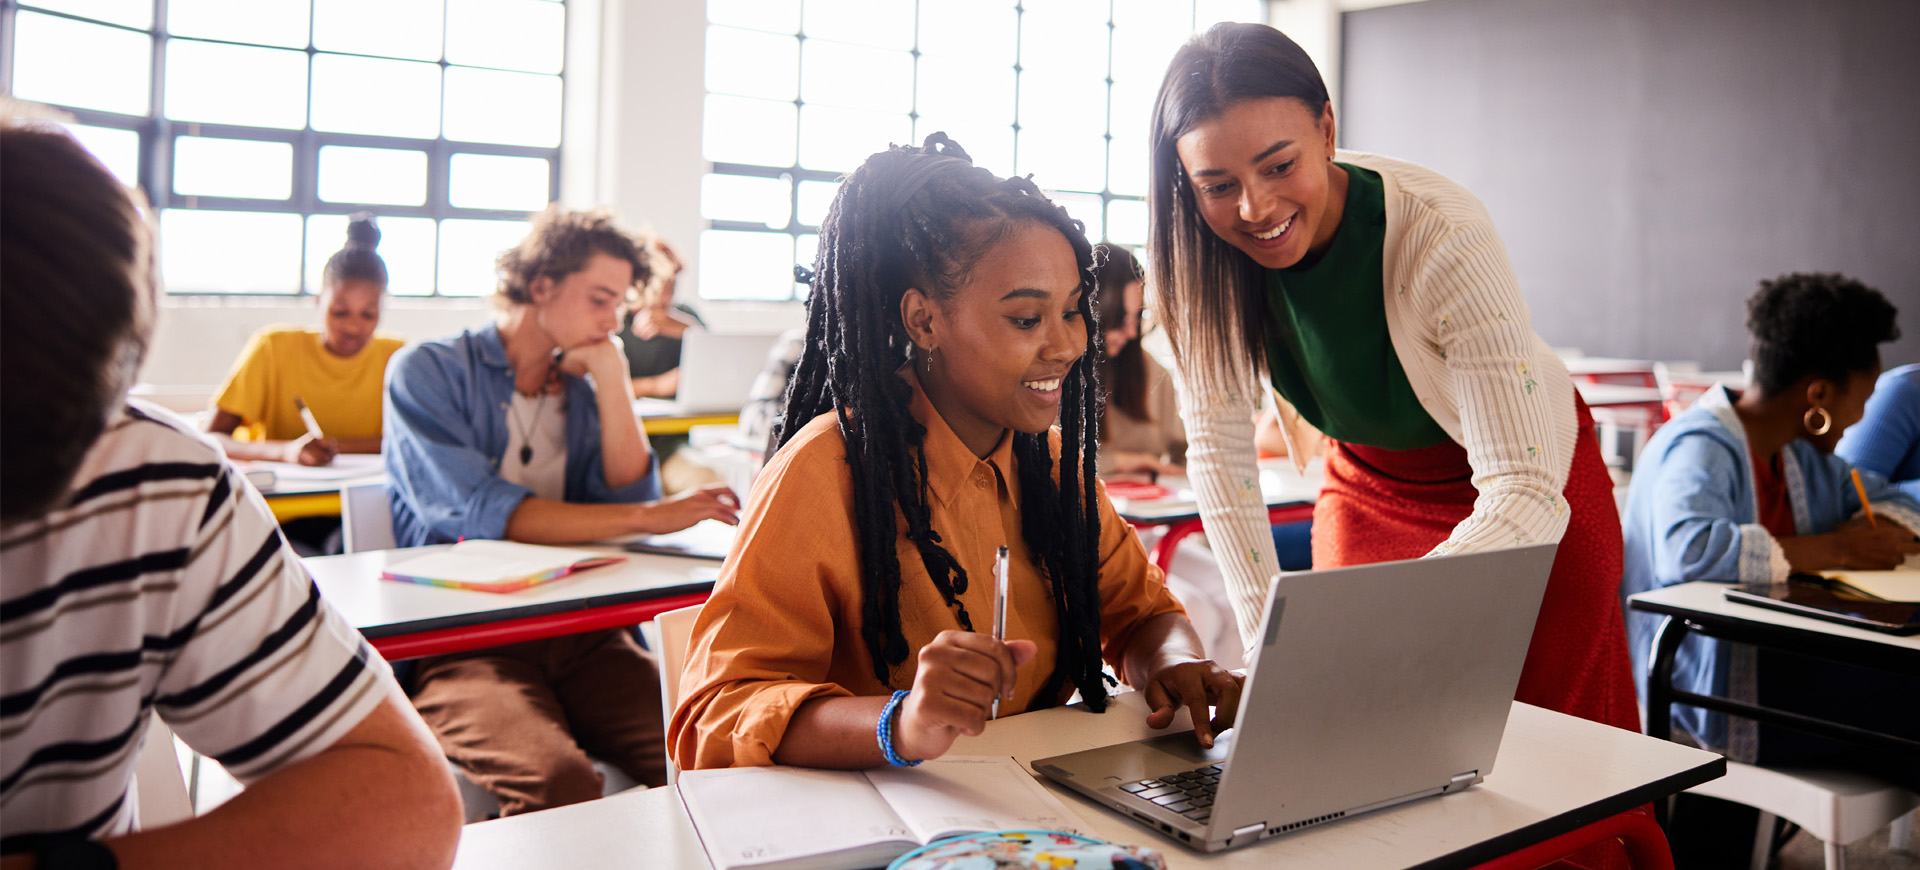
1603,395
1607,365
382,608
1549,766
1279,483
1709,599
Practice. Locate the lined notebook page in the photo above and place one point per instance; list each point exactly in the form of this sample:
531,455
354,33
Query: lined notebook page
1900,584
971,794
761,816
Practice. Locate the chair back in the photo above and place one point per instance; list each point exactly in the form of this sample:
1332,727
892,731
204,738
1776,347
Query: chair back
366,518
676,628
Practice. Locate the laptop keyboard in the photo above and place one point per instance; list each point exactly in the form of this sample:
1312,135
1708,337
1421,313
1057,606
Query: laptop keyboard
1189,792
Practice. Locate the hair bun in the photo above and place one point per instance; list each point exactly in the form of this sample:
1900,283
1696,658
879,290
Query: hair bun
362,232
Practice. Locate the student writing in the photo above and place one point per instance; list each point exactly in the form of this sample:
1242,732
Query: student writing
336,370
948,329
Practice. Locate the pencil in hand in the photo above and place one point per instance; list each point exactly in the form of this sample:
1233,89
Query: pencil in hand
1865,506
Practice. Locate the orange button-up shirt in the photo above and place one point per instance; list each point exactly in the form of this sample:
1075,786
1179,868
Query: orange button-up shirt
783,625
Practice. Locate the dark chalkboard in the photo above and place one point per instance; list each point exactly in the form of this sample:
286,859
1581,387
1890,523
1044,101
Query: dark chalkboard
1648,161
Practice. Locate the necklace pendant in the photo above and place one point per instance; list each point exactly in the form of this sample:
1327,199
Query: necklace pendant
526,453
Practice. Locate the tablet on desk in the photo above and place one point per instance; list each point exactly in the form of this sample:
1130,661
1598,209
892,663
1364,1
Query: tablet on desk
1816,597
707,539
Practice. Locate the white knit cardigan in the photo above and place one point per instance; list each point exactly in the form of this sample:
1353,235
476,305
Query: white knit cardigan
1465,338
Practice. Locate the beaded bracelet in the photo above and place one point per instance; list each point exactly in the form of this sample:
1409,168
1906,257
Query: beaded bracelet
884,732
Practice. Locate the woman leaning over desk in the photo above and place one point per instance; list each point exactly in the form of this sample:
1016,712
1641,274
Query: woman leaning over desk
1376,297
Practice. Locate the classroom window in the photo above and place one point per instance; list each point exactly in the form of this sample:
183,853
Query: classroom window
255,127
799,92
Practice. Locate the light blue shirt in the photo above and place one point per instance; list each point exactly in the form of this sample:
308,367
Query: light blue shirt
1692,515
1887,439
446,435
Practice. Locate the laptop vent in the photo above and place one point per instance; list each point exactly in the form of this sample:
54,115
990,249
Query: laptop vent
1305,822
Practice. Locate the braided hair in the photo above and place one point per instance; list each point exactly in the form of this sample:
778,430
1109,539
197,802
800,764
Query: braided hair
920,217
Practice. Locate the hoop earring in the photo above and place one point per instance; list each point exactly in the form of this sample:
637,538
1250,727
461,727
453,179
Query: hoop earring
1826,421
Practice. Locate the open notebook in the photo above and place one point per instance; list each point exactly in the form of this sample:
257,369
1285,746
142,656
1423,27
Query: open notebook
494,566
791,818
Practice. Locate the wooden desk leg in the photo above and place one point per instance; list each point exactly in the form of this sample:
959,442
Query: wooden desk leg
1163,550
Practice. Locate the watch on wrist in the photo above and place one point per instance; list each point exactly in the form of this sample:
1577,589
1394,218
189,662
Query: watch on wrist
73,852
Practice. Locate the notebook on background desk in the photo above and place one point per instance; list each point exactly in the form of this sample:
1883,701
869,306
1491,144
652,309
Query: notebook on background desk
1862,599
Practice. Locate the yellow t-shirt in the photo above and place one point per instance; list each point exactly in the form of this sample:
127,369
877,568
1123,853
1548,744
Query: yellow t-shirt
281,362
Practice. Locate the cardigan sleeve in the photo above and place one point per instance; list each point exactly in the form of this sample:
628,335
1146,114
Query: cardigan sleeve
1222,466
1508,417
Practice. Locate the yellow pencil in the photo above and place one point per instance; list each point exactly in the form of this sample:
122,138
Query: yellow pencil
1861,488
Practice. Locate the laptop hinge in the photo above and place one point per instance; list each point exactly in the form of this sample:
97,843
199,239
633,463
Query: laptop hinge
1462,780
1249,830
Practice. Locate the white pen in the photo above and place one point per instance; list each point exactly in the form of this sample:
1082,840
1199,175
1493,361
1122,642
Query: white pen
306,416
999,609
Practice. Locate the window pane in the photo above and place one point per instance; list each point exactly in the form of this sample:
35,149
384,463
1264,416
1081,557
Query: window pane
1127,170
773,16
744,198
232,167
116,149
751,64
528,35
266,22
815,198
966,88
879,23
1146,33
229,251
507,183
468,251
71,63
982,31
1067,36
735,265
204,84
1127,222
740,130
989,143
373,175
376,96
840,140
1210,12
838,74
508,108
389,28
1084,206
1062,125
132,13
406,244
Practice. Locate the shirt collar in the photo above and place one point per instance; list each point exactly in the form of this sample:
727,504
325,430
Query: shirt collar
492,351
949,462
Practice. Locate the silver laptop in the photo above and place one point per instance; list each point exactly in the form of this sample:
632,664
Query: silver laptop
717,370
1373,686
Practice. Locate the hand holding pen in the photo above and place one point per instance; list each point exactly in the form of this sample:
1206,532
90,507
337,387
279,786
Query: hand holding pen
313,448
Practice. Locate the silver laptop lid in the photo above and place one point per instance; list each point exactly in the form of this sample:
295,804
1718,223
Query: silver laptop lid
1378,681
717,369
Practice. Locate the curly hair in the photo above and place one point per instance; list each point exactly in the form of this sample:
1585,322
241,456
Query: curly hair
921,217
561,242
1816,324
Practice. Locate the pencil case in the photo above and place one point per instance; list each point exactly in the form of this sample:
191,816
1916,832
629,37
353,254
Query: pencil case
1039,850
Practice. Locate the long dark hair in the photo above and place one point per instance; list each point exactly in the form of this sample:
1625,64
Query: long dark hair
1208,293
1123,373
920,218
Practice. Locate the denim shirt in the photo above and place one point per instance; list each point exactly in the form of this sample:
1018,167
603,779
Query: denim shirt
446,434
1887,439
1692,515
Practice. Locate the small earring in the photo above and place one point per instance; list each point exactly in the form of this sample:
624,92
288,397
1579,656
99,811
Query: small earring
1826,421
930,352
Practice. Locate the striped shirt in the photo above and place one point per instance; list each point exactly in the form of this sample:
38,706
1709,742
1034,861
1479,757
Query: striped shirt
161,583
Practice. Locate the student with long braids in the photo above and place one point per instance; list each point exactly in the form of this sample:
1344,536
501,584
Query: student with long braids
948,328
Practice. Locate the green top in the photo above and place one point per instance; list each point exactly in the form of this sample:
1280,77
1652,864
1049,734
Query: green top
1328,348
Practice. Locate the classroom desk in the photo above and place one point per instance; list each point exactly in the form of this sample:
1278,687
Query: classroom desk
662,417
1593,368
407,620
1289,495
1554,774
1701,608
299,499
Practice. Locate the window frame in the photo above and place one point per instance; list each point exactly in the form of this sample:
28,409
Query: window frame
157,135
796,173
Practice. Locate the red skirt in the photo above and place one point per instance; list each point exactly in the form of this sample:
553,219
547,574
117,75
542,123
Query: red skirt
1385,505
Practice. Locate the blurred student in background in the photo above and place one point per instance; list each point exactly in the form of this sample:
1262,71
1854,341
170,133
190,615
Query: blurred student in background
651,337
